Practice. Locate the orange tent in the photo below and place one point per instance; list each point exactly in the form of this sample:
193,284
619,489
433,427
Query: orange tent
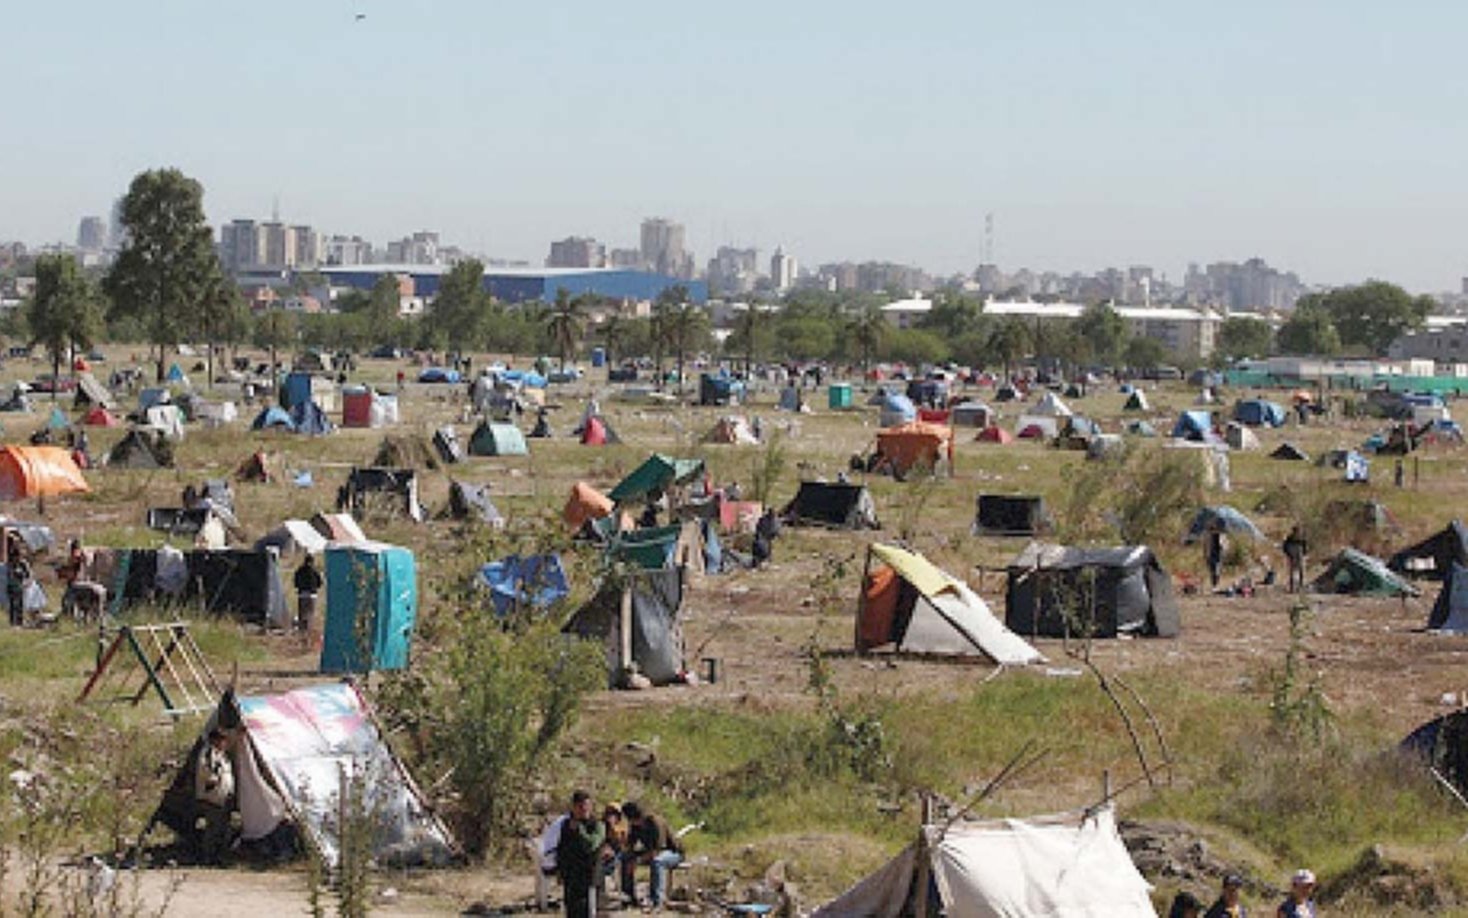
995,434
585,503
916,443
38,471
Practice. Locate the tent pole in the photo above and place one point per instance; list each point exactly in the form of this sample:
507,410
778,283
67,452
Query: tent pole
924,857
625,615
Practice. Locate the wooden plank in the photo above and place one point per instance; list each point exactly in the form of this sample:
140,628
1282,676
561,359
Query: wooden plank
148,670
102,663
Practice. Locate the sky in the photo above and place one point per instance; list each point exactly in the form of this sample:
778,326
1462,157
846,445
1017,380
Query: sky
1325,136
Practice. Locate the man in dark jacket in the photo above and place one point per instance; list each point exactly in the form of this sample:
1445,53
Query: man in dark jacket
578,855
650,841
308,584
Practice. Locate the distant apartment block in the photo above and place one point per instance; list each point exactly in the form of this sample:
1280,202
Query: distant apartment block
1248,285
246,246
348,250
664,248
733,270
91,234
577,252
421,248
783,270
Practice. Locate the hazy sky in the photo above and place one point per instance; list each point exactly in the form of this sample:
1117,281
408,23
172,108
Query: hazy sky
1327,136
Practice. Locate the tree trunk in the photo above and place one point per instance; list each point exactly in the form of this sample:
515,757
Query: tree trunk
55,375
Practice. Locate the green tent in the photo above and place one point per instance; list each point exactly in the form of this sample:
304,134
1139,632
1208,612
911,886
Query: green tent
1358,573
497,440
656,474
649,549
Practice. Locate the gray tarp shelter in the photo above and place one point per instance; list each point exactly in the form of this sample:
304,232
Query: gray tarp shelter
637,616
1435,555
835,504
1055,590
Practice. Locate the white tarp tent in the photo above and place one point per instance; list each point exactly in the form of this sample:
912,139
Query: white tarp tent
1051,406
166,419
1071,864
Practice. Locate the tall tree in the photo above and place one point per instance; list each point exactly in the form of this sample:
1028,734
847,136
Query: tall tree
457,313
222,316
868,328
614,334
1103,330
1008,342
681,322
64,314
1309,331
1241,336
1371,315
167,262
565,322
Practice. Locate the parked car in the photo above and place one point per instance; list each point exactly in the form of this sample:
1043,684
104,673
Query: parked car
386,352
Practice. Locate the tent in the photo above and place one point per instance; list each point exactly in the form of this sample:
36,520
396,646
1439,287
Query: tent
995,434
273,418
1050,406
309,418
1139,429
1137,401
1011,515
438,375
595,431
1289,451
1055,590
91,393
1442,744
790,399
399,486
1005,393
57,420
293,537
916,445
896,409
533,582
1036,427
1450,613
472,501
731,429
909,606
176,375
291,752
446,444
719,389
971,414
38,471
1069,864
1233,522
638,619
1358,573
585,503
1256,412
207,527
1193,425
241,582
141,449
833,504
1240,437
338,527
1435,555
657,473
167,420
491,439
100,417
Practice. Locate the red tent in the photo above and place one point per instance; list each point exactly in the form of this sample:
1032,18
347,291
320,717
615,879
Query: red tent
100,417
594,432
1032,432
995,434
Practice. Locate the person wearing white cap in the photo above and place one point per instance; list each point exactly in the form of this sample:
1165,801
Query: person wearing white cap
1299,903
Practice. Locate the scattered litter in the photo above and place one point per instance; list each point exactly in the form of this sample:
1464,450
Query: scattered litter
1056,672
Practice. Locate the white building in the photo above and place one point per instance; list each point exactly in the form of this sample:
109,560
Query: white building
907,313
782,270
1184,331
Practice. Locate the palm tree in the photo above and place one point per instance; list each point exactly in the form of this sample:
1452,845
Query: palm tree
867,328
1008,342
614,332
678,322
564,322
748,327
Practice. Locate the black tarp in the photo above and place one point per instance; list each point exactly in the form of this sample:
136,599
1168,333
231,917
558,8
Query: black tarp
1442,744
446,442
139,450
842,506
1104,592
1434,556
178,520
657,633
245,583
1004,514
402,484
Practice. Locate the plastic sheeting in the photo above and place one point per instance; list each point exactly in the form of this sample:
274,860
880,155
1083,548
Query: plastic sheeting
536,581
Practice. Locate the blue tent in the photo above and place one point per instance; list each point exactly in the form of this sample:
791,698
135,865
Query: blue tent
897,409
1358,468
176,374
1233,522
528,378
438,375
308,418
1257,412
1193,425
537,581
57,421
273,417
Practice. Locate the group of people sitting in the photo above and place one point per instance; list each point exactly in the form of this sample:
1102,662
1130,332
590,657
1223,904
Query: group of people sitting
584,850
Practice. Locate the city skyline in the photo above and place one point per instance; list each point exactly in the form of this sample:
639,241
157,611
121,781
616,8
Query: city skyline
1318,139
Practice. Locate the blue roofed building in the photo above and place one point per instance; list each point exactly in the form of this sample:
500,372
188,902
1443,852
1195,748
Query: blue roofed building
521,285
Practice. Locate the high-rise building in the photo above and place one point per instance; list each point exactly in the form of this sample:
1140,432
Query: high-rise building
307,249
577,252
241,245
782,270
116,232
733,270
421,248
91,234
626,258
348,250
663,247
280,244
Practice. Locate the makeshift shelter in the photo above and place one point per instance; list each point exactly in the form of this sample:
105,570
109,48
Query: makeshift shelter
309,418
273,418
338,527
291,754
1435,555
1256,412
302,388
790,399
915,445
491,439
241,582
1011,515
1233,522
167,420
657,473
176,375
971,414
439,375
1055,590
371,605
202,524
907,605
638,619
399,486
1358,573
1137,401
1449,613
1193,425
1442,745
1289,451
896,409
719,389
1139,429
293,537
1036,427
154,395
1005,393
446,444
731,429
995,434
469,501
679,545
215,414
1240,437
1069,864
363,407
91,393
585,503
141,449
100,417
38,471
833,504
595,431
1050,406
530,583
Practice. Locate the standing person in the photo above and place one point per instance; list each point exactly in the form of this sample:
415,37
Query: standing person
18,571
1185,905
1213,551
213,792
1228,905
308,584
649,842
577,855
1299,903
1295,548
402,380
69,572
